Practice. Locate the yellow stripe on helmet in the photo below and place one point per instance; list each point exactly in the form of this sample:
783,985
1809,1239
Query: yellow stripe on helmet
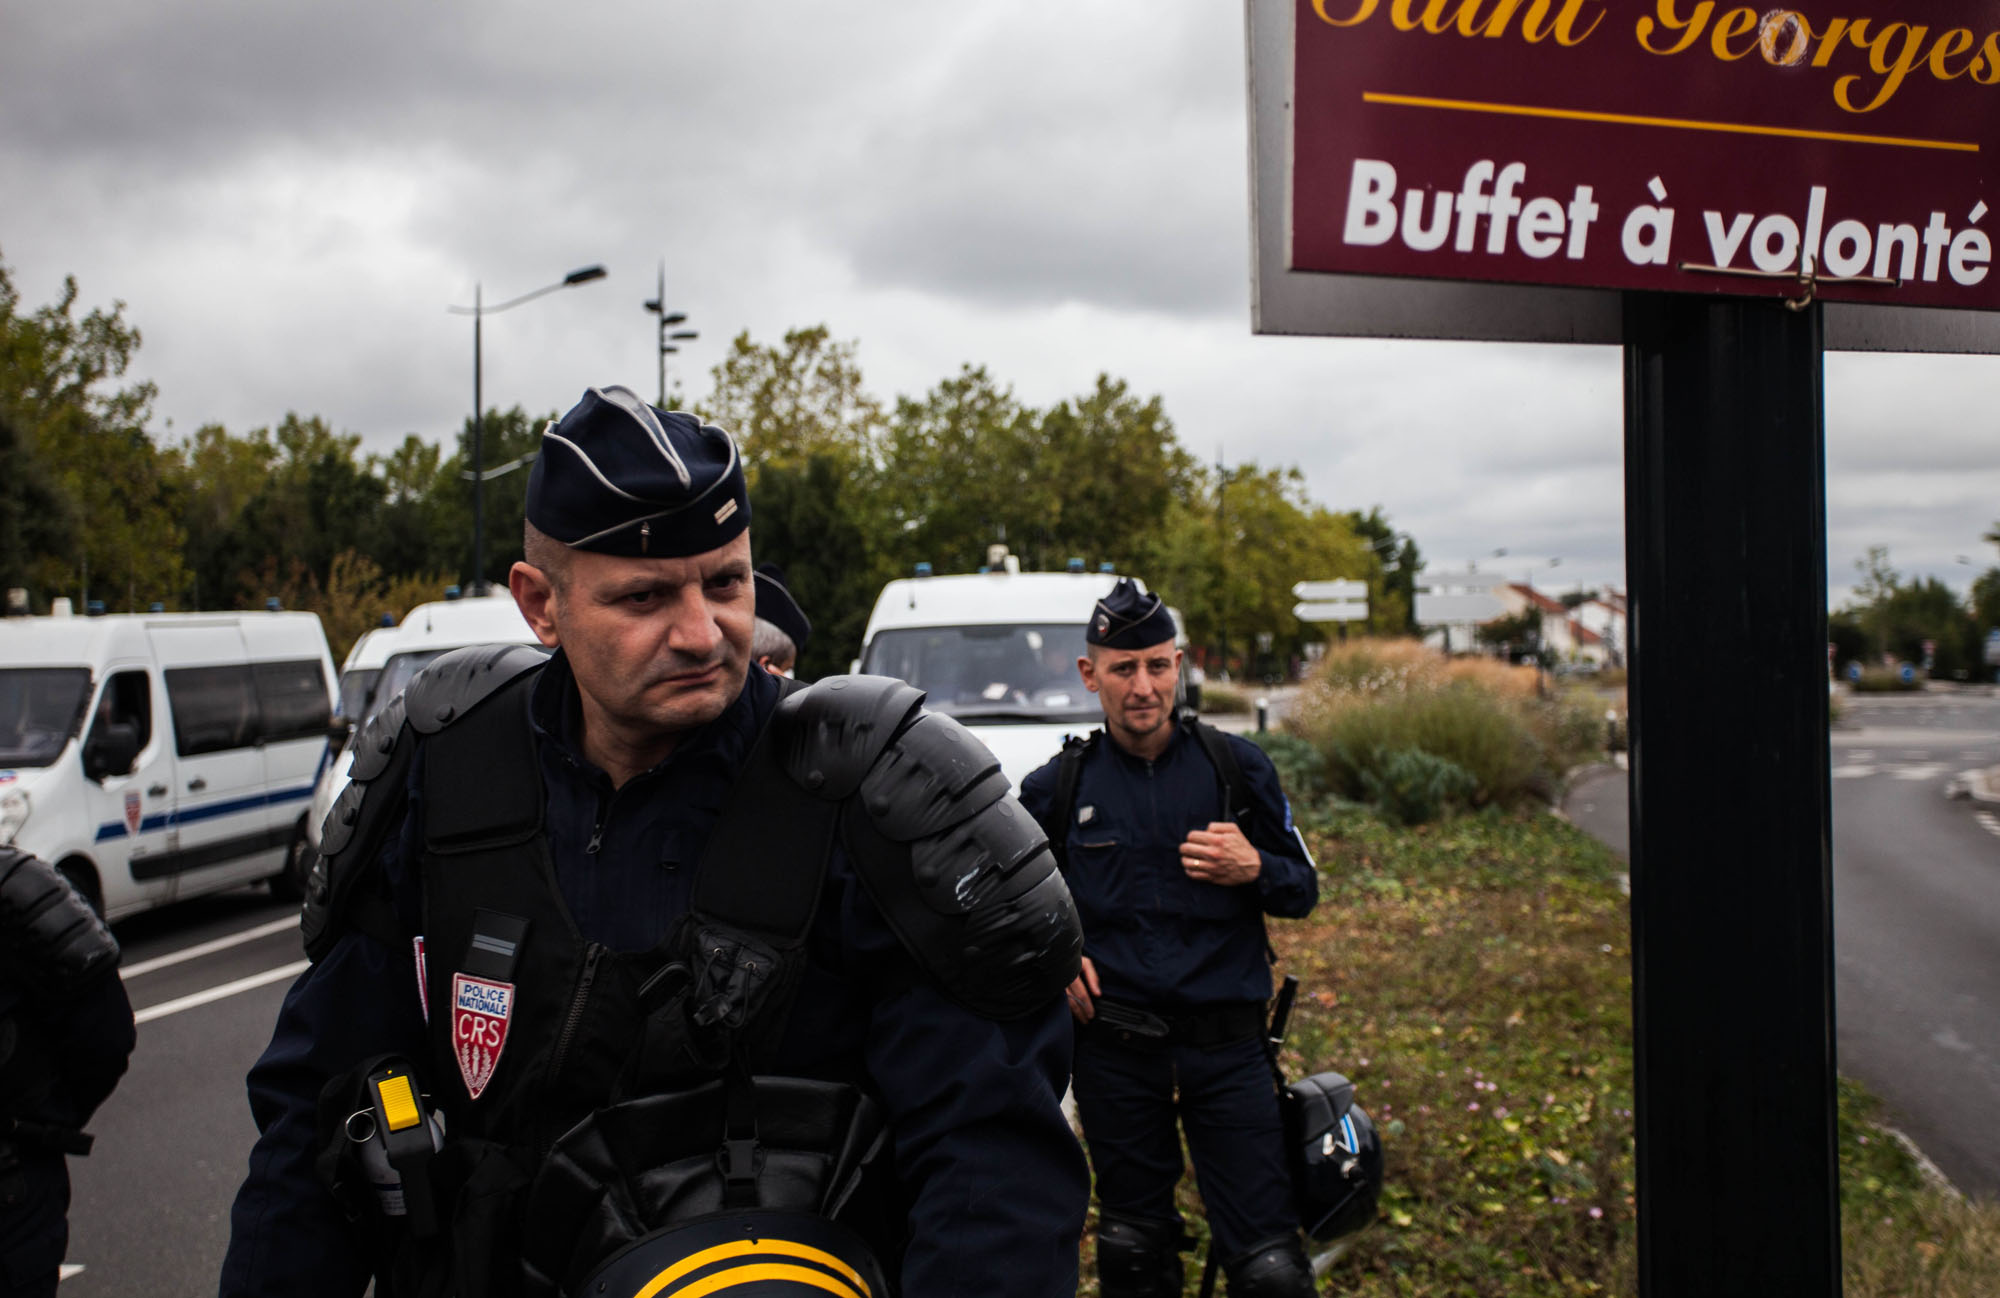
745,1274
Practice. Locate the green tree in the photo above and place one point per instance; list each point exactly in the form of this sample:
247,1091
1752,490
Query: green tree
510,437
84,435
409,539
807,519
36,518
1394,562
959,462
789,402
215,477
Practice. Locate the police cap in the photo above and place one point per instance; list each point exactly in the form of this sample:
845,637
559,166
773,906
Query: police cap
776,605
1129,618
618,476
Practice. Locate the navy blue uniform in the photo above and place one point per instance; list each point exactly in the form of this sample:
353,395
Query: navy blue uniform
83,1042
1166,943
997,1183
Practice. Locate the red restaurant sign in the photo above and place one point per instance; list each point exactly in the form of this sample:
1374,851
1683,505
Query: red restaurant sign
1683,145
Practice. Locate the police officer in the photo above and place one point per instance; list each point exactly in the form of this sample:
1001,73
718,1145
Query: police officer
65,1034
782,629
1173,884
618,950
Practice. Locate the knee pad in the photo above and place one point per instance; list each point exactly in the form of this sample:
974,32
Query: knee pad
1138,1257
1272,1268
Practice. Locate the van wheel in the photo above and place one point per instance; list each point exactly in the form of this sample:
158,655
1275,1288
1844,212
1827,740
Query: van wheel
83,877
289,884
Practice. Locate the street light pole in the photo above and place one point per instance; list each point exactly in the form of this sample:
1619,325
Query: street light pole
479,311
658,306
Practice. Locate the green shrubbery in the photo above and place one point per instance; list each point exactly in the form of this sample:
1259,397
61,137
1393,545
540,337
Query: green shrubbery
1418,734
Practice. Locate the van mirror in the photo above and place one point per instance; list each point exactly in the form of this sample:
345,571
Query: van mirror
338,732
111,750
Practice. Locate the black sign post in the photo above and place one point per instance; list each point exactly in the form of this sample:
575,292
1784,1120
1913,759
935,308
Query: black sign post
1732,895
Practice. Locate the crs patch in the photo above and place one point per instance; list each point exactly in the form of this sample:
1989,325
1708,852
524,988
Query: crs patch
480,1012
133,812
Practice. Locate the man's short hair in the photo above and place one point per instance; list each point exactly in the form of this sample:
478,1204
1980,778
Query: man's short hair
543,551
767,641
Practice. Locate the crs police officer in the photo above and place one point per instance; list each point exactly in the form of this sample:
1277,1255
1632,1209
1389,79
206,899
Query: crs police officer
636,968
65,1034
782,629
1173,884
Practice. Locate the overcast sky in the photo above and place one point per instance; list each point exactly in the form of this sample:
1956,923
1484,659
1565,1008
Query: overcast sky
287,195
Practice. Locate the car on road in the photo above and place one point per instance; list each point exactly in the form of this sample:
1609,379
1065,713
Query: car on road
158,756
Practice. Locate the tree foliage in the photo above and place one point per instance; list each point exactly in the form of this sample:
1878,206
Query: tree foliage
846,492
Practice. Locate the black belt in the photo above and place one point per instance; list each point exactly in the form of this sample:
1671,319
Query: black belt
1213,1025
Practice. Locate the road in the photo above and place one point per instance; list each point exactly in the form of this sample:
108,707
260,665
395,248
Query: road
1916,887
150,1211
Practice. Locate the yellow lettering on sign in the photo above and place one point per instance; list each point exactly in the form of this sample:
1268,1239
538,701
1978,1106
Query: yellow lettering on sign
1736,22
1360,13
1953,43
1893,71
1692,25
1986,68
1855,31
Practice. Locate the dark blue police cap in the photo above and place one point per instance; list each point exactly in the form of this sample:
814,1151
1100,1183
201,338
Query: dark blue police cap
617,476
776,605
1129,618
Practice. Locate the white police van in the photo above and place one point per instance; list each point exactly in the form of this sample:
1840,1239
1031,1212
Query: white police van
996,649
381,664
155,757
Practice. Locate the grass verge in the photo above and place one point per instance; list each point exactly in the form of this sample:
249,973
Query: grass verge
1473,976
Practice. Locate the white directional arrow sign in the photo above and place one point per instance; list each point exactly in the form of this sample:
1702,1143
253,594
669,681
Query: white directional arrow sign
1331,611
1313,591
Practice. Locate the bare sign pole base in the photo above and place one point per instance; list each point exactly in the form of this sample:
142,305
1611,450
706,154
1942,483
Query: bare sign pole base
1725,524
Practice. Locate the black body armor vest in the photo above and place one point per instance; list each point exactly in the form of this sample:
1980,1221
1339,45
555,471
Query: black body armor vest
590,1096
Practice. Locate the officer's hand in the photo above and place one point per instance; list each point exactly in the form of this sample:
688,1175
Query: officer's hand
1220,854
1082,991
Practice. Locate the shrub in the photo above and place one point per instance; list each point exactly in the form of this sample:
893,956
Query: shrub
1301,769
1373,702
1411,786
1221,699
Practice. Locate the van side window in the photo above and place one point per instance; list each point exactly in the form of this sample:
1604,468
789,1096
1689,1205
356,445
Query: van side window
127,701
291,699
214,708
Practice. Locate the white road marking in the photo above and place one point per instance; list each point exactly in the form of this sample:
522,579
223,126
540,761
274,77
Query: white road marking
222,992
1852,772
208,948
1988,822
1928,771
68,1269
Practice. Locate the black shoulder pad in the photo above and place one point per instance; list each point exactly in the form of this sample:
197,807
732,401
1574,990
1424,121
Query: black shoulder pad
453,683
934,775
372,804
833,730
49,934
963,873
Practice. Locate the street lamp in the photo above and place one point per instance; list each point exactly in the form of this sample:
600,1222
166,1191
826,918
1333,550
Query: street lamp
479,311
658,306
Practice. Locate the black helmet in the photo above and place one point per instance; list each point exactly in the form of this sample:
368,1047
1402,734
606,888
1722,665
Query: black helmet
1335,1155
755,1253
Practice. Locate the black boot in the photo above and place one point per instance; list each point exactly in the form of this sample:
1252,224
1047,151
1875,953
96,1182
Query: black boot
1138,1257
1272,1268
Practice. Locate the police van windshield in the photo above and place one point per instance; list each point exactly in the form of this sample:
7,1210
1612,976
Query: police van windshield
40,710
1019,672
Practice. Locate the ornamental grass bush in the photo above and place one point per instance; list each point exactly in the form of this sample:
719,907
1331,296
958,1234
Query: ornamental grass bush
1392,717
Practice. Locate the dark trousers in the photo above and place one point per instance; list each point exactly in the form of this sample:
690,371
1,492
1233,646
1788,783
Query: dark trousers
34,1224
1223,1097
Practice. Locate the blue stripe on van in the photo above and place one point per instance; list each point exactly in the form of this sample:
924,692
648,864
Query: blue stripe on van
188,816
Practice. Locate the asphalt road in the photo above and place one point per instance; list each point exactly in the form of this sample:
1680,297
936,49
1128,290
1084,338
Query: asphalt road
1916,917
150,1208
